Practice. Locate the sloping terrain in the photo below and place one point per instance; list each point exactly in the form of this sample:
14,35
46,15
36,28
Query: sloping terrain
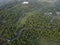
28,25
9,19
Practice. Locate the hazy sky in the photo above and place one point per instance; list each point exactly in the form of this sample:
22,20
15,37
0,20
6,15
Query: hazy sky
36,0
48,0
5,0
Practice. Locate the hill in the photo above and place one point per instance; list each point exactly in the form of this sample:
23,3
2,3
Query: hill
26,24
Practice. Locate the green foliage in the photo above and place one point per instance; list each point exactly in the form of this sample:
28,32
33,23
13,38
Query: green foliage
26,25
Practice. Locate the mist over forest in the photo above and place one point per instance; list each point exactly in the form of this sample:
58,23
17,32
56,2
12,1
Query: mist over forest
47,1
44,3
27,0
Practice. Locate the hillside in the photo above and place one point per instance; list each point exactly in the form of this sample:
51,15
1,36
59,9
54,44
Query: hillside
26,24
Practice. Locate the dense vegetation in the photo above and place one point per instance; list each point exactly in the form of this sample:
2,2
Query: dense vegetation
28,25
